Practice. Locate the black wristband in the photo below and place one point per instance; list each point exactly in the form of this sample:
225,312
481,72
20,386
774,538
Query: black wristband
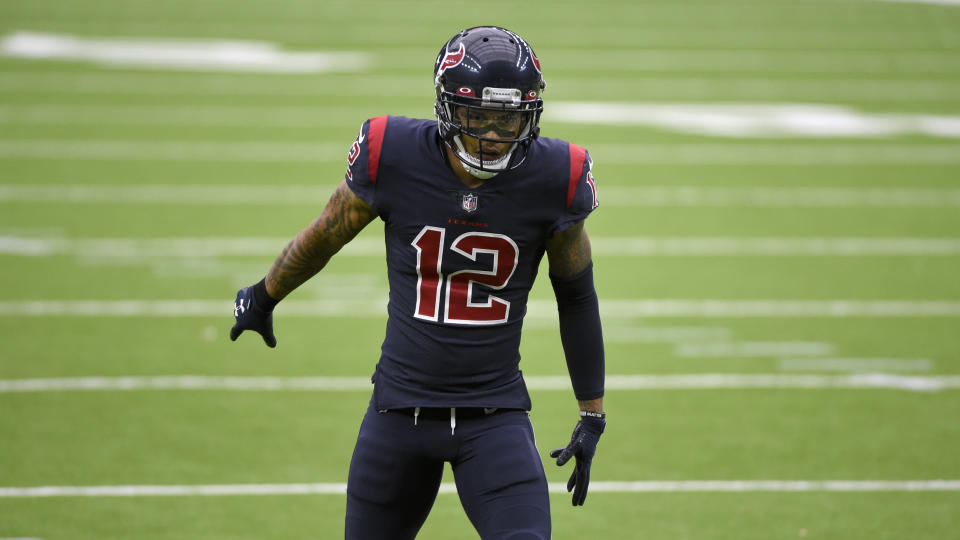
262,297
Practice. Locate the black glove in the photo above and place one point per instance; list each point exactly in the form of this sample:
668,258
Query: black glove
254,311
583,445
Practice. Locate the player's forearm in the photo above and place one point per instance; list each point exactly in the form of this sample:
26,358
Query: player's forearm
303,257
343,218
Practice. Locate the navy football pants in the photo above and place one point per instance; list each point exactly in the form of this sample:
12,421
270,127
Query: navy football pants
396,468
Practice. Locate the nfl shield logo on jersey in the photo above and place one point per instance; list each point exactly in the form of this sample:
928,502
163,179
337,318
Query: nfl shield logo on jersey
469,202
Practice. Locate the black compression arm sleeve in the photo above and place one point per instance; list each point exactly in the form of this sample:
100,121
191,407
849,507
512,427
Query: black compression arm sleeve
580,333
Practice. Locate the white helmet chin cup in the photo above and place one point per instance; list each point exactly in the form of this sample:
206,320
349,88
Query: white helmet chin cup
486,170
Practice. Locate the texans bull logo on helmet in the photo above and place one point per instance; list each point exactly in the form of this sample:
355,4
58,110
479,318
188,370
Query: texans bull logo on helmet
451,59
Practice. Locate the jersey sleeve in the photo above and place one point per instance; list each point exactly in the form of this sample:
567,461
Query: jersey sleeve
581,196
363,160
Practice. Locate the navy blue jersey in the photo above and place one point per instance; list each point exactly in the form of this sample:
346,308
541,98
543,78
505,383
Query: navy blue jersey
460,260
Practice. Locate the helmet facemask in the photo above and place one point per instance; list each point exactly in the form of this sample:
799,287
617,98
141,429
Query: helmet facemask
486,133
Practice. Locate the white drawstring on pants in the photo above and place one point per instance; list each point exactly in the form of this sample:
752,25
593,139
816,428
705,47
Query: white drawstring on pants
453,419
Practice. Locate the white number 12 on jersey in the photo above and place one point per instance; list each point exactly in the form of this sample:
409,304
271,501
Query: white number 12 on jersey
459,307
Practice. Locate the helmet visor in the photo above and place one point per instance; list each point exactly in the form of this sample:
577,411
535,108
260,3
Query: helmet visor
493,123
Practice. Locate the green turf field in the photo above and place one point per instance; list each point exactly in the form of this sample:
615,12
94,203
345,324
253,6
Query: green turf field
780,286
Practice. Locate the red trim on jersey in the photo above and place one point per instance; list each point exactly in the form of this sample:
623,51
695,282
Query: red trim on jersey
578,156
375,144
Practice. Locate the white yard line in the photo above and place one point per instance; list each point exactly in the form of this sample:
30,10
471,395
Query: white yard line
214,151
933,2
751,349
756,120
152,248
775,154
767,308
618,309
860,365
181,115
180,54
895,62
696,486
743,153
694,381
616,196
780,197
738,120
617,333
649,88
775,247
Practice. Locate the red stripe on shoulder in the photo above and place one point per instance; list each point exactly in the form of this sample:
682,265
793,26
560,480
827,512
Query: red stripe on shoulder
578,155
375,144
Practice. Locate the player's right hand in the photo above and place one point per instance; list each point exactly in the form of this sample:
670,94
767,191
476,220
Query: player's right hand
250,316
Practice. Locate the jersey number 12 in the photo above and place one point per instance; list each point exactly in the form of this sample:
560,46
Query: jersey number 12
458,305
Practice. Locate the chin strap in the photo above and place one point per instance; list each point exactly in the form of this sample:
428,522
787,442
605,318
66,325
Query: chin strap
472,164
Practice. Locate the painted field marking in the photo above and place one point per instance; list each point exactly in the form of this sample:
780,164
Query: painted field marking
773,247
618,196
622,309
71,83
860,365
630,59
934,2
207,247
751,153
213,151
751,349
692,381
756,120
614,333
739,120
781,197
181,115
649,88
743,153
707,486
169,53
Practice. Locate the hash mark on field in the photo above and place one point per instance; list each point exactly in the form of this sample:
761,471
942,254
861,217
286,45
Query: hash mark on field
691,381
697,486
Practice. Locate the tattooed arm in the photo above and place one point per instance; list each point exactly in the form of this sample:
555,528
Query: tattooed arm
344,216
571,271
569,252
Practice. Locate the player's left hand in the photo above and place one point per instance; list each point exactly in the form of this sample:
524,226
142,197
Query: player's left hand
583,445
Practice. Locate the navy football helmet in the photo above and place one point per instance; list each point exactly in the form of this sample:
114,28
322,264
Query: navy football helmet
488,81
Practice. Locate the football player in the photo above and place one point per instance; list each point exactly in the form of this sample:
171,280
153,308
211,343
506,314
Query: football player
470,203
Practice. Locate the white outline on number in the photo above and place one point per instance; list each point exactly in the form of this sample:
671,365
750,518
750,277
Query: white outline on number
496,266
436,302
